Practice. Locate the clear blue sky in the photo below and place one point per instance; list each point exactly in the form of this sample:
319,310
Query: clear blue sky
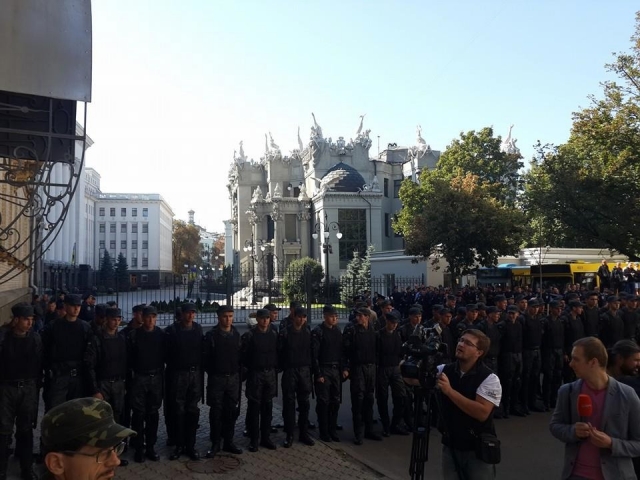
176,85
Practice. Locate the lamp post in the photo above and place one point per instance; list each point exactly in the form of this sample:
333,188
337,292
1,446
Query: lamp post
326,228
250,247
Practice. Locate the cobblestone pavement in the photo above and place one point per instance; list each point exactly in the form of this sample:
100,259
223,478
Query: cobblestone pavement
321,461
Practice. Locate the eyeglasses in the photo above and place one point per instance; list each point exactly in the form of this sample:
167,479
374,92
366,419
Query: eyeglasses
467,342
103,455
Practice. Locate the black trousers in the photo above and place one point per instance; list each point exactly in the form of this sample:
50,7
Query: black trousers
296,385
390,378
260,390
531,366
186,390
552,363
113,392
510,373
328,398
223,396
63,387
363,384
19,406
146,400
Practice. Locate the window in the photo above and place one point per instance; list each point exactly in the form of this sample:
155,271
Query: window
112,228
112,212
145,262
123,228
112,244
102,211
123,244
290,229
134,212
134,261
102,244
396,188
145,244
353,226
123,212
386,224
386,187
134,243
145,212
103,228
134,228
145,228
144,278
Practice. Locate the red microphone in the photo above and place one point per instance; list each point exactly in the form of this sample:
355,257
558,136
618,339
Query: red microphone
585,407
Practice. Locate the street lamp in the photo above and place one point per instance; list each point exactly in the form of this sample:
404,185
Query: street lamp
250,247
326,228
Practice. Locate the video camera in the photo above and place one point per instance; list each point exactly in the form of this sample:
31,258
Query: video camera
424,350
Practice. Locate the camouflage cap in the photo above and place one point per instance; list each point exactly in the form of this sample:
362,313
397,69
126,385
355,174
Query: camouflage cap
83,421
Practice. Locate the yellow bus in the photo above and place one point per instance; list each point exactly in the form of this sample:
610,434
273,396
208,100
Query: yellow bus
583,274
505,274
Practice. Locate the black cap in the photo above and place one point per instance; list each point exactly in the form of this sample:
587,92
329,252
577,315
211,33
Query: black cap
392,316
272,307
188,307
263,313
451,297
491,310
414,311
72,299
533,302
88,295
499,298
113,312
101,309
481,306
295,304
576,303
385,303
224,309
612,298
512,308
437,307
520,297
444,311
22,309
363,311
138,308
300,312
472,307
554,304
149,310
329,310
59,305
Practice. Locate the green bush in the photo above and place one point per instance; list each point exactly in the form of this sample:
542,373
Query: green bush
302,275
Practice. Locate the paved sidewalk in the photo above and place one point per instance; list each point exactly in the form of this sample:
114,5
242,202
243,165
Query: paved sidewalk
321,461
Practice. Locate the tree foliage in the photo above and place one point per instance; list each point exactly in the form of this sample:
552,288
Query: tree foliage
591,184
357,278
121,272
301,276
459,219
478,153
186,246
106,270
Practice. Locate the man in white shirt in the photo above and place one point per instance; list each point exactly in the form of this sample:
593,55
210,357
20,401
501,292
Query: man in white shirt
470,392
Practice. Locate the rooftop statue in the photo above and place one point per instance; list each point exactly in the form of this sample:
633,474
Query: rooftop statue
508,145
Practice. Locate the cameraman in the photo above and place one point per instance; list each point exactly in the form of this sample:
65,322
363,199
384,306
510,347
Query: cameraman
470,392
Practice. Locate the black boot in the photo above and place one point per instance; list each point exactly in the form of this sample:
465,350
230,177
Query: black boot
215,448
253,445
332,421
177,453
231,447
288,441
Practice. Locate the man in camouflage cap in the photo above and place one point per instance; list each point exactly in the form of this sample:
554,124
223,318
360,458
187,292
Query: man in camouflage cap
82,440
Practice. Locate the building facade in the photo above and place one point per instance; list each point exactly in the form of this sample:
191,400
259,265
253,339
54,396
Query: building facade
324,200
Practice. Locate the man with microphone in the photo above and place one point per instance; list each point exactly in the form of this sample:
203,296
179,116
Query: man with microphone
597,418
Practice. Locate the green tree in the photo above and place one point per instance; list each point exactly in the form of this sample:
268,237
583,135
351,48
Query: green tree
121,272
351,281
106,270
301,276
186,246
591,184
459,219
479,153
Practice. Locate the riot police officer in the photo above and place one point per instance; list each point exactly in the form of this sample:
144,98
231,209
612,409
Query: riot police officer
294,358
552,355
532,331
106,365
65,341
221,360
359,343
326,347
135,322
184,380
493,330
511,363
259,355
99,316
146,354
20,374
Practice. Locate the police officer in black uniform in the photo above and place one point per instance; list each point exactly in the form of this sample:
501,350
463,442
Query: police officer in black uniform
221,360
87,309
611,323
573,330
99,317
106,365
510,363
185,380
326,347
591,315
491,327
20,375
65,341
294,359
135,322
259,355
146,354
359,343
389,350
532,330
288,320
552,355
